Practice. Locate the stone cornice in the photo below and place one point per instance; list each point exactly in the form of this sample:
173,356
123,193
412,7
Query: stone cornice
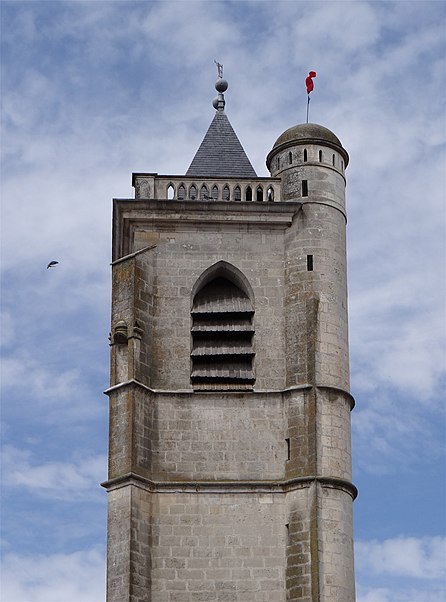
229,487
303,387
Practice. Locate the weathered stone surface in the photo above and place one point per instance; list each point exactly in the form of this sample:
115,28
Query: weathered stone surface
233,495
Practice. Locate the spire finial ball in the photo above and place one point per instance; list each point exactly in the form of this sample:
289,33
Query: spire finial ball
221,85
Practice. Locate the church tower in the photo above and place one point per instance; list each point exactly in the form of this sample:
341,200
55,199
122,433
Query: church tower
229,451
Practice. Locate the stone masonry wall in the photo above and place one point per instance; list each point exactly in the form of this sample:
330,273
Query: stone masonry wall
228,547
316,300
336,564
163,298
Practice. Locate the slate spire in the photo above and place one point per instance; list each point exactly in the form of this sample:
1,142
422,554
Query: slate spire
221,154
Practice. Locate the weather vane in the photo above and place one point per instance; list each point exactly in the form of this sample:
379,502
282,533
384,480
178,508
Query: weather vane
219,69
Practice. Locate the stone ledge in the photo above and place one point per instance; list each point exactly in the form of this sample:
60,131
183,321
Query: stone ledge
229,487
191,392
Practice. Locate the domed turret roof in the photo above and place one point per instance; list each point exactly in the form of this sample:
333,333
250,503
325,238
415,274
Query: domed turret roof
309,133
305,131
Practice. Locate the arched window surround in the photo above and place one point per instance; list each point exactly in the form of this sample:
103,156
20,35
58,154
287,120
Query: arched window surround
181,192
223,269
204,193
193,192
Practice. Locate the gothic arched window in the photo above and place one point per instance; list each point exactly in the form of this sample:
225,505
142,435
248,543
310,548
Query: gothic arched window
248,193
215,193
193,192
226,193
222,335
237,193
181,192
204,193
270,194
259,194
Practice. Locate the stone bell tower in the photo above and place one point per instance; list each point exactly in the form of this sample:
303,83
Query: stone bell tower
229,452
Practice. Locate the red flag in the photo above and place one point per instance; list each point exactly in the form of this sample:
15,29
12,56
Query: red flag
309,81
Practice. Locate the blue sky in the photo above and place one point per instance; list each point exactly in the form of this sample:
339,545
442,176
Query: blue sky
95,90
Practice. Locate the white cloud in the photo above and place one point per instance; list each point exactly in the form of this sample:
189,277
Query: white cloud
399,594
401,569
75,577
68,481
411,557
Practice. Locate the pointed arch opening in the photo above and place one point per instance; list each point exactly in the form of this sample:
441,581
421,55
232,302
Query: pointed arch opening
214,193
170,192
248,194
237,193
270,194
226,193
222,331
193,193
181,192
204,193
259,194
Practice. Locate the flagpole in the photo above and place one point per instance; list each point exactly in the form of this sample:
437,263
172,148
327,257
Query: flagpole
310,86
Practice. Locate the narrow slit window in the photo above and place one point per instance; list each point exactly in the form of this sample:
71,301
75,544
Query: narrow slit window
290,157
305,155
333,159
288,449
320,156
309,263
304,187
278,162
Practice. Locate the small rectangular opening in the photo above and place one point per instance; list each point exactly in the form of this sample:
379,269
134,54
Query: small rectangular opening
288,449
304,187
309,263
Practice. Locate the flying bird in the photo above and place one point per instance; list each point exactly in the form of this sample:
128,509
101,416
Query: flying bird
52,264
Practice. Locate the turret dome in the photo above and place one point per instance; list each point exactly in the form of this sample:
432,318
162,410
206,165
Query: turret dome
308,133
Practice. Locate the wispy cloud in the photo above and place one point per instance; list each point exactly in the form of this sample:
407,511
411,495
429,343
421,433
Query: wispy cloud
401,569
70,481
75,577
420,558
